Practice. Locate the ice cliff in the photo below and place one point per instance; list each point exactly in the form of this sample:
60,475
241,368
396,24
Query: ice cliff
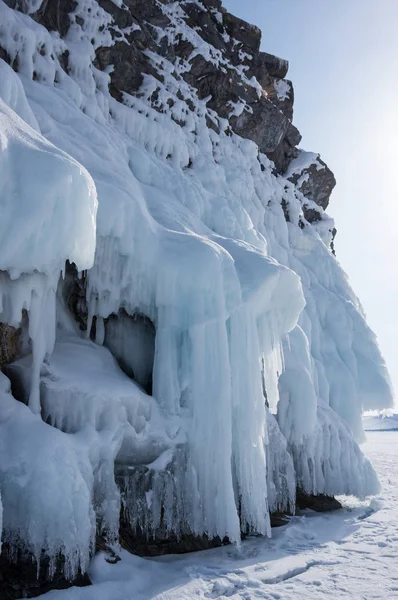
179,345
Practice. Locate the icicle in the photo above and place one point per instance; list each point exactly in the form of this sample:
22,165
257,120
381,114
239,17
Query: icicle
99,331
42,322
91,303
249,423
211,433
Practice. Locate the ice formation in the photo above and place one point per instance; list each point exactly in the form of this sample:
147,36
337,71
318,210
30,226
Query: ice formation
46,480
262,362
48,209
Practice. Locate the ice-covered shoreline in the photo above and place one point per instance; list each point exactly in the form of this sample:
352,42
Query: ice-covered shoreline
349,552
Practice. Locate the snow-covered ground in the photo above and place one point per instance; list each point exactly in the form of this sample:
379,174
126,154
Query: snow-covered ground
352,554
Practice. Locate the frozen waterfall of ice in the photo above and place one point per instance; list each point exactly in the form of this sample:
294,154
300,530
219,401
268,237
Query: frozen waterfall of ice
249,310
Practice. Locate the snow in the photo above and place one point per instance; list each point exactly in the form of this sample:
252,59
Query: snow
282,89
346,554
237,108
303,162
12,94
190,233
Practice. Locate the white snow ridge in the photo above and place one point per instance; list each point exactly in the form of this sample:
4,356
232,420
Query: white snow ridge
187,354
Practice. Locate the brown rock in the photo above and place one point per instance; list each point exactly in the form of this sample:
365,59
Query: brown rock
19,577
318,183
266,125
244,32
10,343
318,503
273,65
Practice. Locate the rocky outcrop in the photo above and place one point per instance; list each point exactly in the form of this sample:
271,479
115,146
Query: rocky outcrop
10,341
14,341
218,55
271,65
319,503
287,150
139,486
313,178
317,184
19,577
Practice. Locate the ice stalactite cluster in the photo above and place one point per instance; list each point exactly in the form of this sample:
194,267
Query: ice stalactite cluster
48,204
262,359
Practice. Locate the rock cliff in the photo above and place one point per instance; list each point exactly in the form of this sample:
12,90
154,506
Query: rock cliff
211,50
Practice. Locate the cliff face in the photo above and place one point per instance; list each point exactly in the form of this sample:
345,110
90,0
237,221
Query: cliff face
202,354
215,53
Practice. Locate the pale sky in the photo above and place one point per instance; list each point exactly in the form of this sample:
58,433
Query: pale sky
343,57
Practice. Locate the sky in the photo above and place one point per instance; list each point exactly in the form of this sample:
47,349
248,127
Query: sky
343,57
